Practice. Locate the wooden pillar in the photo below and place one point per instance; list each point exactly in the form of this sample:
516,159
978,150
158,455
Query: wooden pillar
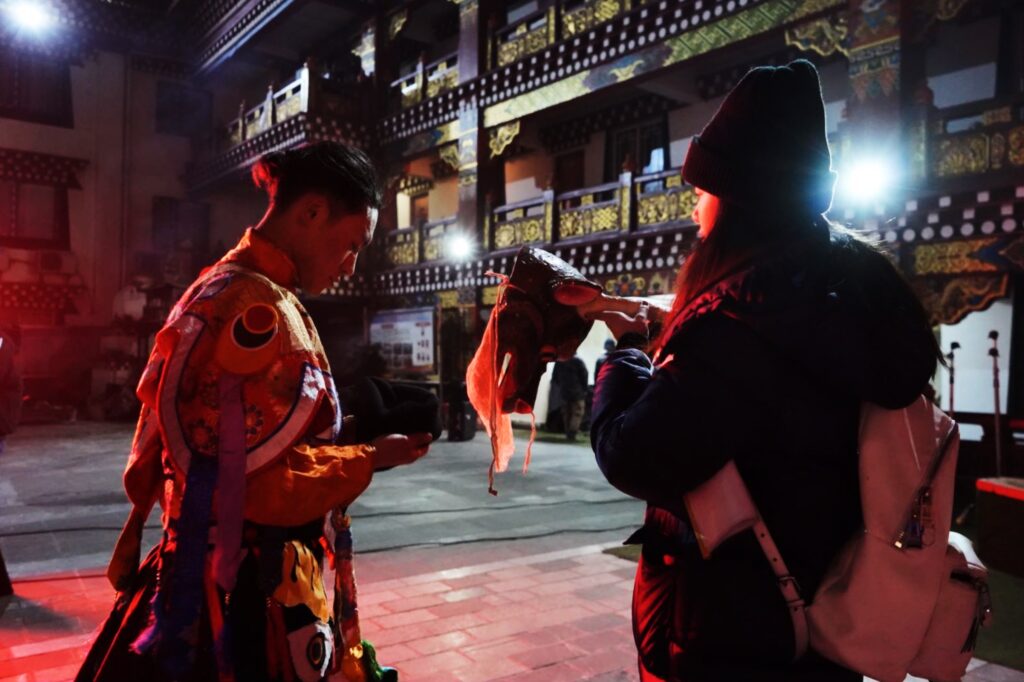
470,32
385,62
889,104
1010,64
873,110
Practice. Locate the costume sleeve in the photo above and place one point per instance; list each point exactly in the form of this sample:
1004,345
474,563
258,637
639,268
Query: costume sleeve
308,482
658,434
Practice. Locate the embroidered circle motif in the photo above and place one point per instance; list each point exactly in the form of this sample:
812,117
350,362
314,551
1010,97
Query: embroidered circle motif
316,650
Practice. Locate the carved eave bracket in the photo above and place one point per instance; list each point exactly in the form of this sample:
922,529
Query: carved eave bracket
825,36
502,136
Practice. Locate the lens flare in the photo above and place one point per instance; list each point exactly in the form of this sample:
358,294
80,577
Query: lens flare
866,180
460,247
29,16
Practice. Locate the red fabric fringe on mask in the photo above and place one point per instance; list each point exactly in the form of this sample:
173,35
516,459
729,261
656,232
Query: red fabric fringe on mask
485,396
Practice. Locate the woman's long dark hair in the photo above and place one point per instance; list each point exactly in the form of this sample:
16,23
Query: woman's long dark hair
740,237
743,236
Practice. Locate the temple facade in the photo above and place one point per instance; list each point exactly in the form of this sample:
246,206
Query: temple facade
128,129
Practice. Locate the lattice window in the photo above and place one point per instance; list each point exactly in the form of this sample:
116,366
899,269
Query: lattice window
33,216
636,146
35,89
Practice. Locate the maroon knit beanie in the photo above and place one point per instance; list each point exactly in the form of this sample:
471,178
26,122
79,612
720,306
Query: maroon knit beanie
766,144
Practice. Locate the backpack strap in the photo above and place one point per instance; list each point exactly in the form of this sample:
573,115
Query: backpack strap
788,586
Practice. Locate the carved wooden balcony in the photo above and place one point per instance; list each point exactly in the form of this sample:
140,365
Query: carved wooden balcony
410,88
583,15
531,34
427,81
979,138
442,75
662,200
304,110
403,246
524,222
604,209
278,106
435,236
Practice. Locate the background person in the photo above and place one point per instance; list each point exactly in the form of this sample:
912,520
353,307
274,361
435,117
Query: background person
782,325
570,377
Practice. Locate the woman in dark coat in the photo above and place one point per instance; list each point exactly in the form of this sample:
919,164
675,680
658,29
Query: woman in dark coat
782,325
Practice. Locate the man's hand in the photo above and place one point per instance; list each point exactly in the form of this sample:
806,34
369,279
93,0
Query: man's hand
397,449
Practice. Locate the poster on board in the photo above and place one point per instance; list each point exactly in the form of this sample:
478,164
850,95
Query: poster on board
406,338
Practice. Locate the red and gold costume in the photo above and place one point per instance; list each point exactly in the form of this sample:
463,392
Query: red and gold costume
237,443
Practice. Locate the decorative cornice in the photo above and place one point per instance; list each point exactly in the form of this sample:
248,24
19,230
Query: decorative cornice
44,169
597,59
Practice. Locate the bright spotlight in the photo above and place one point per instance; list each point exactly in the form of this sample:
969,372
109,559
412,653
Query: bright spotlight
460,247
29,16
866,180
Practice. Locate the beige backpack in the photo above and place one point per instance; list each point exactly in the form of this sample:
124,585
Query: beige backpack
905,595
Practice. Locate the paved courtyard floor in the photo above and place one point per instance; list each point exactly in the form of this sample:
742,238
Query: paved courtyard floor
464,603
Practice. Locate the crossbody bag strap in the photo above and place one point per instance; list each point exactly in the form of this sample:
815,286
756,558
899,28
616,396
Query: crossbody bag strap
788,586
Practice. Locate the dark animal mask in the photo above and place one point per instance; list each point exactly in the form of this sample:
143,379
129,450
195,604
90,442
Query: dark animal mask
537,323
533,322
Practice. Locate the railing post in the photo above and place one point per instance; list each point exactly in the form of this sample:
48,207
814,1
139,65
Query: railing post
269,109
549,215
306,87
242,136
625,201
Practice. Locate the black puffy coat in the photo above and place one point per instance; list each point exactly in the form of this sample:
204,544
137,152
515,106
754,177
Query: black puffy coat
770,374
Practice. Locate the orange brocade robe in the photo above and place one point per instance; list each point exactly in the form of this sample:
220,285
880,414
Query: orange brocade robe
208,402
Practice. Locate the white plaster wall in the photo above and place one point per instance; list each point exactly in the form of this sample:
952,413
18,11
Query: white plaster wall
403,206
443,200
974,391
95,211
156,161
110,217
526,175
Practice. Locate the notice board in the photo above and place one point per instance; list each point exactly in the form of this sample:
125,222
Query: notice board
406,338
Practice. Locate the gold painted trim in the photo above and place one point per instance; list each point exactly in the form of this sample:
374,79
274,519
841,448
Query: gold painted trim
751,22
502,137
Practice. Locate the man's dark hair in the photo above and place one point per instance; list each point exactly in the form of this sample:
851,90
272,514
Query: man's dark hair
342,172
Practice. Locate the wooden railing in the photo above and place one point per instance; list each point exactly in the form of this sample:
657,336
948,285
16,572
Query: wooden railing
307,93
530,34
403,246
427,81
595,210
442,75
560,20
277,106
530,221
663,198
976,138
410,87
435,237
